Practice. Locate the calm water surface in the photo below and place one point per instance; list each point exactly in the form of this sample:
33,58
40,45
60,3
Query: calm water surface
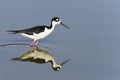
92,43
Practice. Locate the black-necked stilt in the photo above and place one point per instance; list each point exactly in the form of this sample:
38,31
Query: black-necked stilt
39,32
40,56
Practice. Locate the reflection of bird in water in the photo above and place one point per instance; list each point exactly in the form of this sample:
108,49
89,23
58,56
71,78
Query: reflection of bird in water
40,56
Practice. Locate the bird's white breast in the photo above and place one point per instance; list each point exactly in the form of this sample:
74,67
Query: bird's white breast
43,34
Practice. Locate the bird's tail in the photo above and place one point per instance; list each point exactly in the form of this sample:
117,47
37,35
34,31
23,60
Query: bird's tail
14,31
16,59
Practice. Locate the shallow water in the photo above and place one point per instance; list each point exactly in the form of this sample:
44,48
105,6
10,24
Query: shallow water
92,43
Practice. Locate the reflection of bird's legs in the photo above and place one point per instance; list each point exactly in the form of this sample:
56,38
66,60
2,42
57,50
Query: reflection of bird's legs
31,45
36,42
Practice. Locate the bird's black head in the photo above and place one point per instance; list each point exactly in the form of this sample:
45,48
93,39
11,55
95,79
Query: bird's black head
56,68
56,19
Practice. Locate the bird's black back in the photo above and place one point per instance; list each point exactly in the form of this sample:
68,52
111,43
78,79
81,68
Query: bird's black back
36,29
30,31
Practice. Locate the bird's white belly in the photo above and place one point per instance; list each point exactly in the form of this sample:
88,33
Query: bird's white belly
42,34
38,36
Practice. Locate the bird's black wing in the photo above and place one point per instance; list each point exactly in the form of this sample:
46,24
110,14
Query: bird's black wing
36,29
30,59
30,31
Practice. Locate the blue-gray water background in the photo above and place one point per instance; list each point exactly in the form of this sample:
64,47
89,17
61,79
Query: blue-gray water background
92,43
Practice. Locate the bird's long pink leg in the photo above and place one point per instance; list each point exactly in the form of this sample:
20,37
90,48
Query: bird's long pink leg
31,45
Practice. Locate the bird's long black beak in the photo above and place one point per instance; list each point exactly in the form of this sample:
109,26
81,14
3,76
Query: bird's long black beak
64,25
65,62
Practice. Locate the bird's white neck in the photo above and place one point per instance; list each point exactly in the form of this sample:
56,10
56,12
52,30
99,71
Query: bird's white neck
54,64
54,23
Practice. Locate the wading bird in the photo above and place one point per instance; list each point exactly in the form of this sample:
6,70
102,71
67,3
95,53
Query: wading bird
39,32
